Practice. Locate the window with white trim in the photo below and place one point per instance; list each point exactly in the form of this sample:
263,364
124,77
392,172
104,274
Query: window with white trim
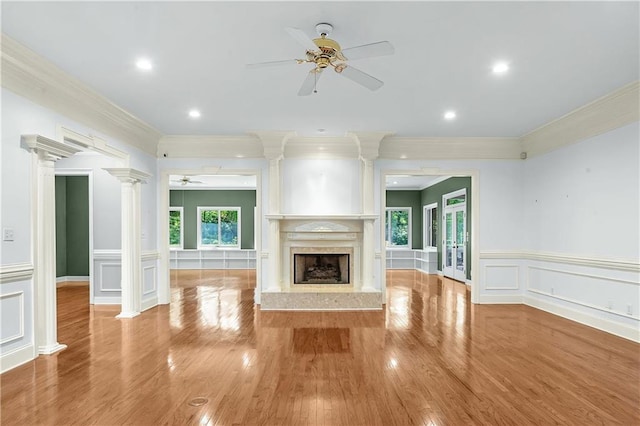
176,228
430,216
398,227
218,227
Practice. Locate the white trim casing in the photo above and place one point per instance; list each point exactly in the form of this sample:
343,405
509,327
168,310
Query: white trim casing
16,357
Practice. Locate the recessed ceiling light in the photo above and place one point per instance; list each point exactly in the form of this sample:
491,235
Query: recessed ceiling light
500,67
144,64
194,113
449,115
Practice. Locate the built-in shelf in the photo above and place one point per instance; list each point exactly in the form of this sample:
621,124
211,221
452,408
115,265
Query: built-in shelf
422,260
212,259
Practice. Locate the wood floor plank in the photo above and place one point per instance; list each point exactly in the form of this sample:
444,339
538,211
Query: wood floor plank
431,357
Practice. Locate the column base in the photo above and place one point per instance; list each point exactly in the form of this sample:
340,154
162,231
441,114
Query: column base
51,349
127,314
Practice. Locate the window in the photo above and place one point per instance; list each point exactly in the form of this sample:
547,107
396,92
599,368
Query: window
398,227
430,225
175,228
218,227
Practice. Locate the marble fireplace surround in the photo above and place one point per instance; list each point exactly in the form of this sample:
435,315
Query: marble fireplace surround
351,234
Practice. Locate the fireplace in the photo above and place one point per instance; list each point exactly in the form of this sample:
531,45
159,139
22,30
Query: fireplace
321,268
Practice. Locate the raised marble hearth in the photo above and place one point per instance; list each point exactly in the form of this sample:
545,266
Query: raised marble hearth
322,263
321,301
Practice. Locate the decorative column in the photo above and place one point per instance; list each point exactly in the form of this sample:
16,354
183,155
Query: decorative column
131,252
45,152
273,148
368,145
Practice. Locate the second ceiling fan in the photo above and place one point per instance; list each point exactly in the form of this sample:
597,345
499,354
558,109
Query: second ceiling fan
324,52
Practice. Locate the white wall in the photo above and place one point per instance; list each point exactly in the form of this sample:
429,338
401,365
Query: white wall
20,117
582,231
322,187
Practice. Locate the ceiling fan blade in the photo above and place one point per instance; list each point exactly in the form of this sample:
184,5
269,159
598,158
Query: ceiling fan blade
309,83
302,38
380,48
361,78
271,63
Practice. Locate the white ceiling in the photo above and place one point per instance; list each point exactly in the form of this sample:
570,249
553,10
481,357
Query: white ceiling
562,56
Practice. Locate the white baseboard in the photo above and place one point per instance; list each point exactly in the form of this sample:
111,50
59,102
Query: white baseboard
585,318
101,300
16,357
502,299
149,303
62,281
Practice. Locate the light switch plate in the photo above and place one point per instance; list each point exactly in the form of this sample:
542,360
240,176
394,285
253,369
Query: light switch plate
7,234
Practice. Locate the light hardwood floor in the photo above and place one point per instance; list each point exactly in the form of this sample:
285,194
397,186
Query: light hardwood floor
430,358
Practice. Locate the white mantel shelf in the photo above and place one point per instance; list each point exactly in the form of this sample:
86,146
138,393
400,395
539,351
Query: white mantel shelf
321,217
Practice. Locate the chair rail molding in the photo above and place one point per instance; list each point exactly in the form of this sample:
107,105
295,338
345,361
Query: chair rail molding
15,272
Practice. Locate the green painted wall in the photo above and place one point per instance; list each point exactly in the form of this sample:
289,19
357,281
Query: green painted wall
61,226
409,199
433,194
190,200
78,226
72,226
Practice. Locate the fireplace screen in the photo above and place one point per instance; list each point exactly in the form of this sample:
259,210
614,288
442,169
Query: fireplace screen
313,268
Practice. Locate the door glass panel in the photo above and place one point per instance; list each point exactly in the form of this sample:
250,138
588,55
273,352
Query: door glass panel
448,240
459,199
460,240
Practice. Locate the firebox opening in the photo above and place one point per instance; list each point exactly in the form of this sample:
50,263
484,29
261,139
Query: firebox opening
320,268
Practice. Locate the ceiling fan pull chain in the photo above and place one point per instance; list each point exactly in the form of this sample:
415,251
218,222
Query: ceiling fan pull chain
315,82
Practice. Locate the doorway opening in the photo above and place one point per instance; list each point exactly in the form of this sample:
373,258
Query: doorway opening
442,209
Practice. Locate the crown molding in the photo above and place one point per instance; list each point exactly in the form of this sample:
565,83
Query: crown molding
29,75
609,112
321,147
417,148
210,146
126,174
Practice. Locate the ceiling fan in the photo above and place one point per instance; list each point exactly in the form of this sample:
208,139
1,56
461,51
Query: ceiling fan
185,180
324,52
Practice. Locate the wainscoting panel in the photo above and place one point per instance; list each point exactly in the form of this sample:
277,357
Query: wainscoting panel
108,275
109,278
16,316
12,317
608,294
149,279
502,277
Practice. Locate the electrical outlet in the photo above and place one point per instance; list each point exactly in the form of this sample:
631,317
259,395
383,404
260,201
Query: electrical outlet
7,234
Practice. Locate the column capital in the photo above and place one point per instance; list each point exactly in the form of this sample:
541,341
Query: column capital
273,142
125,174
48,148
369,143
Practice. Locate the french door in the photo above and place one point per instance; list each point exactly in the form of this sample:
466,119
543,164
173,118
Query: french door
454,253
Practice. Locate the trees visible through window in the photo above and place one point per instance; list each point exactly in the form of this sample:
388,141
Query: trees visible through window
218,227
175,227
398,227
